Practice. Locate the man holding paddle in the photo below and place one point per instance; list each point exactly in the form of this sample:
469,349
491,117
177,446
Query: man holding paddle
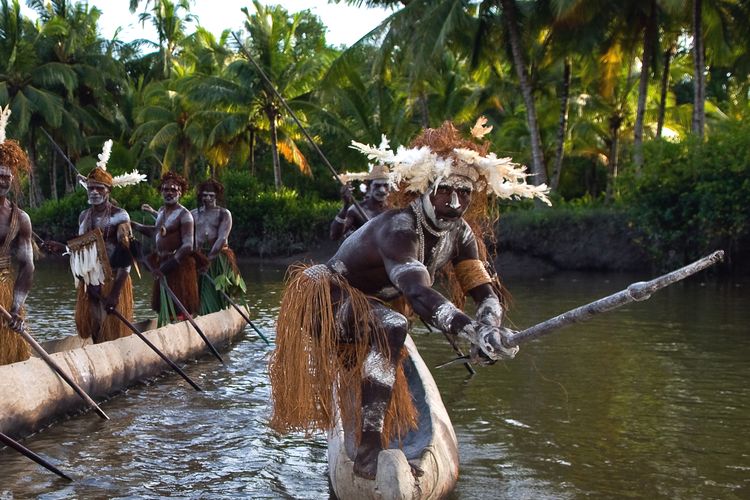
175,259
15,240
212,226
336,329
104,282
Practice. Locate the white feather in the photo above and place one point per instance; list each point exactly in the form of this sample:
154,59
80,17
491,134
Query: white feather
4,116
104,155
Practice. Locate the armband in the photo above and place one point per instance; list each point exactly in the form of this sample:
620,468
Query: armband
340,220
471,273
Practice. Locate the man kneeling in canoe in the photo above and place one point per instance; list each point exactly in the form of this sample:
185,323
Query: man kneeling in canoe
103,282
335,330
15,239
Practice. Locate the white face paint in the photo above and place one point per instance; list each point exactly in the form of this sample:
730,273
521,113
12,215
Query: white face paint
6,180
97,193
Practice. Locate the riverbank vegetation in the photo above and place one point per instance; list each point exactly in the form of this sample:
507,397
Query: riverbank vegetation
632,114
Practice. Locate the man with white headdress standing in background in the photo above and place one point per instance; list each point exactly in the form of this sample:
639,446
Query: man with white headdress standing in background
104,232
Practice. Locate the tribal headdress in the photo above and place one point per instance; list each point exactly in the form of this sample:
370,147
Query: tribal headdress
211,185
11,154
99,173
439,153
176,178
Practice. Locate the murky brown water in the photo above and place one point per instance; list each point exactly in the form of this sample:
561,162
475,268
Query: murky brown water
649,401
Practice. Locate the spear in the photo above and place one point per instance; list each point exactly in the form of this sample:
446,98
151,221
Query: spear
12,443
635,292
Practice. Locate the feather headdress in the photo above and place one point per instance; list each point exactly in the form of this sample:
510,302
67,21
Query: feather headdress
419,168
99,173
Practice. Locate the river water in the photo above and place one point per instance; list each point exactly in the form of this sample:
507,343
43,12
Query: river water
651,400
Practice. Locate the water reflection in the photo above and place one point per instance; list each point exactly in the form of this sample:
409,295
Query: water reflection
650,400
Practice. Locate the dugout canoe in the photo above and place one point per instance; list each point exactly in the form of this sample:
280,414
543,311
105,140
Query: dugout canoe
432,447
33,396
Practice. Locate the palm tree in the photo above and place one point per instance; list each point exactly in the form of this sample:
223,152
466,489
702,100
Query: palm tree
165,16
30,84
164,126
291,52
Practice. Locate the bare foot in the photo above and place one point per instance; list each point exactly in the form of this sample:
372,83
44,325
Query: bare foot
366,463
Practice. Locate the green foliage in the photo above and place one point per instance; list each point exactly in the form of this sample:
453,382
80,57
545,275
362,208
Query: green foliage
58,220
274,222
692,198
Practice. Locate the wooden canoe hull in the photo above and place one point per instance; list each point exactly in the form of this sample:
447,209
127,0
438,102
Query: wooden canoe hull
33,396
432,447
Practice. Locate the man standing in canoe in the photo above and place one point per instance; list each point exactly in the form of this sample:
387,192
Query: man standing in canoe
335,329
174,258
349,218
15,240
212,226
104,231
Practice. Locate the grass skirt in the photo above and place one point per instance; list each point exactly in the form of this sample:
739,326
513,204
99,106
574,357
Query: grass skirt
310,362
89,313
13,347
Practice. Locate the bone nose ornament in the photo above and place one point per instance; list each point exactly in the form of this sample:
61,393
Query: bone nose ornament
454,204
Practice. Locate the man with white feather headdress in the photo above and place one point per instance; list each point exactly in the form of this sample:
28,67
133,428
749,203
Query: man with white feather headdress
351,217
15,241
335,327
101,258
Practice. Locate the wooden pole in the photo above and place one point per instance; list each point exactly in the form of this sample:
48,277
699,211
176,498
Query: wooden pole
52,364
635,292
163,282
140,335
236,307
12,443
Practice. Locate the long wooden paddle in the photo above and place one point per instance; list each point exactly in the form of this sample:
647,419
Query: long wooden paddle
236,306
163,282
12,443
140,335
52,364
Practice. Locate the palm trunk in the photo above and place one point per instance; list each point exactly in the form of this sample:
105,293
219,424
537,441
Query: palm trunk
699,58
664,87
35,191
562,125
649,35
70,183
275,151
252,152
539,174
53,178
614,133
186,163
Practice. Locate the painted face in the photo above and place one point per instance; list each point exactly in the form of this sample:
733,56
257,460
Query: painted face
6,180
208,198
98,193
170,193
447,202
379,190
